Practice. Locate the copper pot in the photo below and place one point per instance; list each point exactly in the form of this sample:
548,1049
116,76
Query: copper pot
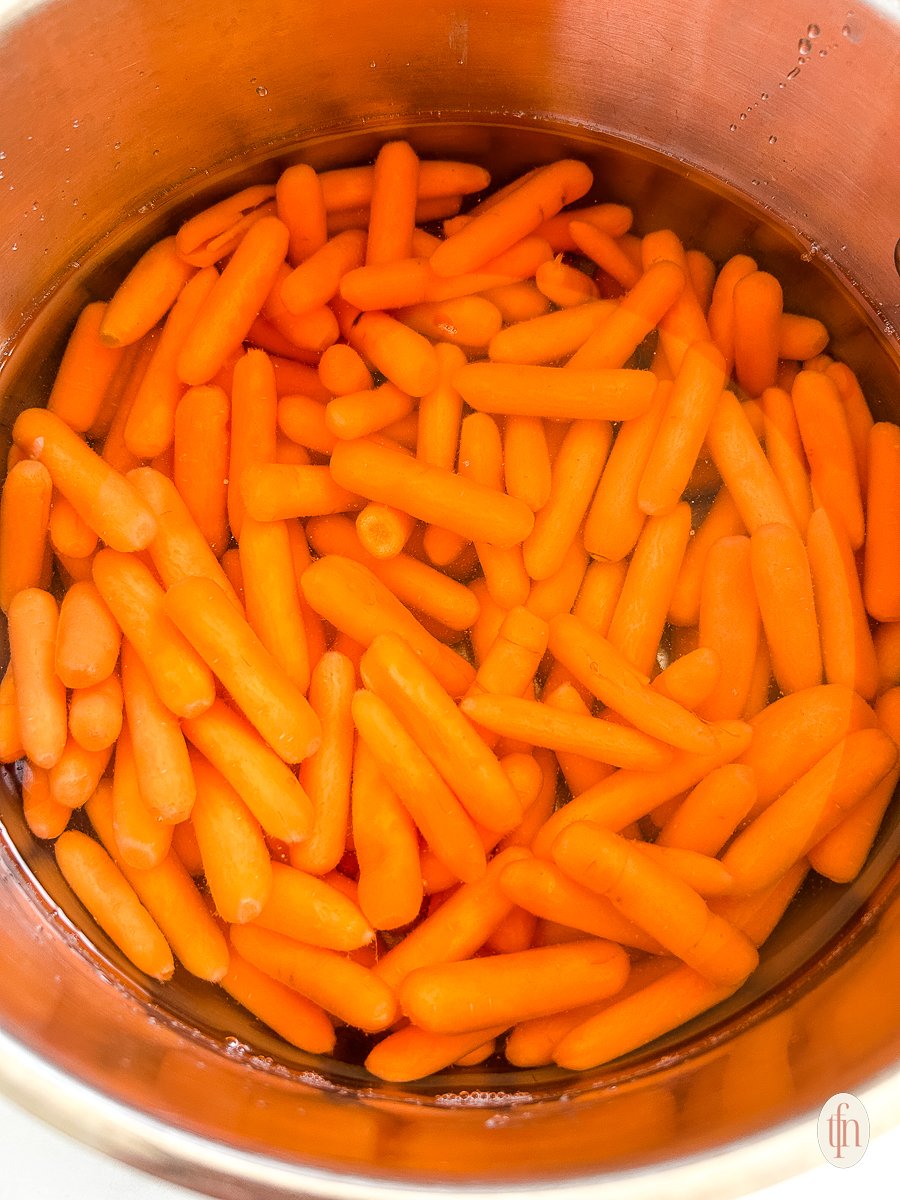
115,117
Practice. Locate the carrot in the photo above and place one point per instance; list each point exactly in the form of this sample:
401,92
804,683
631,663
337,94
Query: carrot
142,838
656,900
302,419
541,391
514,656
783,583
886,639
213,233
290,1015
350,992
146,294
758,303
386,845
684,323
76,773
460,997
87,637
33,618
663,1004
233,852
44,816
11,747
611,678
430,493
563,284
784,450
86,371
690,678
309,909
442,820
688,411
253,425
519,213
353,599
341,370
758,913
169,895
70,535
384,531
721,307
95,714
729,624
880,585
722,520
810,808
412,1053
263,780
526,460
317,279
829,452
638,313
109,898
710,813
606,252
744,468
300,205
24,521
115,452
548,337
352,187
272,598
640,614
579,771
100,495
857,413
848,653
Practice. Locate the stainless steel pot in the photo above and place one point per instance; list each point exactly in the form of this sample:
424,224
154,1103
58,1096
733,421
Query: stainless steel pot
113,116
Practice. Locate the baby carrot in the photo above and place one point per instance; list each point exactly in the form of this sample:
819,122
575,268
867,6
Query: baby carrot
213,233
149,427
111,901
518,301
86,371
540,391
394,672
433,807
549,337
33,618
302,419
857,412
182,680
169,895
76,773
263,780
459,997
350,992
87,638
517,214
142,838
881,588
316,280
392,208
744,468
103,497
300,204
277,491
513,657
784,450
95,714
695,393
535,723
455,930
784,588
70,535
848,653
412,1053
606,252
829,452
710,813
800,338
656,900
11,747
253,426
887,653
309,909
361,413
611,678
690,678
721,520
575,474
809,809
290,1015
234,855
355,601
387,847
564,284
179,550
579,771
663,1004
341,370
272,597
352,187
639,312
234,301
729,624
200,469
146,294
526,460
403,356
384,531
721,307
758,304
24,520
432,494
640,614
702,275
44,816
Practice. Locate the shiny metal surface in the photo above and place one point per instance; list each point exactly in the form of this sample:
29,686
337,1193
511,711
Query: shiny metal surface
113,115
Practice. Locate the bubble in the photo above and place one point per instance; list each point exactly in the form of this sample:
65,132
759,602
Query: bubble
823,53
743,116
852,31
794,73
732,127
262,91
764,96
75,123
773,138
813,31
804,46
2,154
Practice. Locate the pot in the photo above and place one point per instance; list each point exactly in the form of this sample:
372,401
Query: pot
743,127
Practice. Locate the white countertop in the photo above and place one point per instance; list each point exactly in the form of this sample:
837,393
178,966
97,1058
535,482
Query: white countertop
38,1163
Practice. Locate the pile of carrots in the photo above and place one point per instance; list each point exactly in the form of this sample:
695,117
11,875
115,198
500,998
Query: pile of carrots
449,614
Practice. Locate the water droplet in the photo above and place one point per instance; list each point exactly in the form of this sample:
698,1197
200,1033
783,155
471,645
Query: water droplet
764,96
262,91
34,206
852,31
75,123
732,127
804,46
75,203
1,174
743,116
823,53
813,31
794,73
156,154
14,246
117,145
2,154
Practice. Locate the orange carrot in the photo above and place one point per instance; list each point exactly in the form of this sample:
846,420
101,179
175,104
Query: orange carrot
70,535
290,1015
857,412
316,280
142,838
24,520
539,391
729,624
40,694
392,208
563,284
86,371
881,588
100,495
109,898
829,452
606,252
76,773
784,588
721,520
201,460
146,294
721,307
44,816
309,909
11,747
757,301
710,813
784,450
526,460
95,714
213,233
412,1053
87,639
403,356
300,204
272,598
